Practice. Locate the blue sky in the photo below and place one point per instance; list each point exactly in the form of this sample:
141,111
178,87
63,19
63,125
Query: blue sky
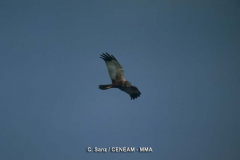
182,55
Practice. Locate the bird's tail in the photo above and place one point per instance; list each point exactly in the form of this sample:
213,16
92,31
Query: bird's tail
104,87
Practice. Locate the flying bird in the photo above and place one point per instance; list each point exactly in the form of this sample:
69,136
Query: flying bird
116,74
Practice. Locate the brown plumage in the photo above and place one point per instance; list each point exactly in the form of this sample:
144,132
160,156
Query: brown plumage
116,74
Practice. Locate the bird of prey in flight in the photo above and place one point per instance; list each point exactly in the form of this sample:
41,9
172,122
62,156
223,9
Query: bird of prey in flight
116,74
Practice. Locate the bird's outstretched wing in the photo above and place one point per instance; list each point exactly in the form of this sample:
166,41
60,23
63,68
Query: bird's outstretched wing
115,70
132,91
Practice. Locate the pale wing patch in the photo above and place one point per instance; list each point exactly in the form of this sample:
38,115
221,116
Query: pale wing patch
120,75
113,66
111,69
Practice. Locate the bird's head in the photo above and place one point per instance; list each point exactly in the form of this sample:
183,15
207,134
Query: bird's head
128,84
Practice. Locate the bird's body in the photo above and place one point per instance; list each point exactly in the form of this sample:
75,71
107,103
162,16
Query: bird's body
116,74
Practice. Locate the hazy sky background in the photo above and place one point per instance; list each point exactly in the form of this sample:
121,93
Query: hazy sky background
184,56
